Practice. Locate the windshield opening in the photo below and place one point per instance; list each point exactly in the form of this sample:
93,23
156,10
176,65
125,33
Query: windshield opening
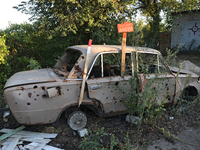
66,62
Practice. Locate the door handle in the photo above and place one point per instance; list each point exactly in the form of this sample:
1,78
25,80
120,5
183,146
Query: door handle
95,87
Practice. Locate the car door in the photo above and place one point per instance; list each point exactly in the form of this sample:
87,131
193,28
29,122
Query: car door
157,74
105,84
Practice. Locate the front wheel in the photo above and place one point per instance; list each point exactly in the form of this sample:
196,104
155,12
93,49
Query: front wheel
77,120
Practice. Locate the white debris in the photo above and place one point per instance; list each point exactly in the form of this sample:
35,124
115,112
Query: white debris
187,65
132,119
82,132
6,114
31,146
34,140
30,134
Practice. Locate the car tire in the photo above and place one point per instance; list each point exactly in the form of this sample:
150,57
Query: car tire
77,120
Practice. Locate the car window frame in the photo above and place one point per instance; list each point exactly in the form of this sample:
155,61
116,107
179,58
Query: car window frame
110,52
137,64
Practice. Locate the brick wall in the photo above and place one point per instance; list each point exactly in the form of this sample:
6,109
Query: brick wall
165,39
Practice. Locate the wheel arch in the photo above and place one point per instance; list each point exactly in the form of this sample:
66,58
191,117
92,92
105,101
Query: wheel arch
94,105
190,90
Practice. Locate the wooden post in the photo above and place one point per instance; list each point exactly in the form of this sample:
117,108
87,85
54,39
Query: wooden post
85,72
124,28
123,54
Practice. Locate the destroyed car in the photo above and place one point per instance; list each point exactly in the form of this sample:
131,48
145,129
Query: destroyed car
41,96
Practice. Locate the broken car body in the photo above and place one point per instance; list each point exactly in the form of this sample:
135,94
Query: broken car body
41,96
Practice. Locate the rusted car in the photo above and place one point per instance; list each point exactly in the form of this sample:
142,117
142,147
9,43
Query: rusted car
41,96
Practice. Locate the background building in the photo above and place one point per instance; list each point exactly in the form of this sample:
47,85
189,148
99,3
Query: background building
186,30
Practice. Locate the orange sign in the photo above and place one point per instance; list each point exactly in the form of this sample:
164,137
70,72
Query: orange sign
125,27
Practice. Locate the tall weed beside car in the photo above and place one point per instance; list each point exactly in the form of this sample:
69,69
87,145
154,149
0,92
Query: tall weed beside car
143,100
144,104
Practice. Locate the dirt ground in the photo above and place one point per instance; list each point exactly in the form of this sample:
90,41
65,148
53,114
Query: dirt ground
190,136
185,125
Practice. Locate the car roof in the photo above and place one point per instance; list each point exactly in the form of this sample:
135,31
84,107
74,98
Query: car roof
106,48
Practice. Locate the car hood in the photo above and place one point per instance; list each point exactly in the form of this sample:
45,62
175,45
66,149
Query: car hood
30,77
182,71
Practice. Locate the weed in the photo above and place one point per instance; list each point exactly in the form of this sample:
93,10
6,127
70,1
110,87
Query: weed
191,48
94,141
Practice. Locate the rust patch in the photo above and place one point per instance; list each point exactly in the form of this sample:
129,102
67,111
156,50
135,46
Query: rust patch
16,103
82,57
29,95
77,68
59,90
35,99
73,74
95,103
38,95
19,93
53,80
35,87
20,88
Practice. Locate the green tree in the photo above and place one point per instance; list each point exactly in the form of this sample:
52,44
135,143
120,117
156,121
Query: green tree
28,41
4,67
3,49
152,9
95,19
136,38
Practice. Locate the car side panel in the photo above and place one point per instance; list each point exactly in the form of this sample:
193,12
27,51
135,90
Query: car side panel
31,104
